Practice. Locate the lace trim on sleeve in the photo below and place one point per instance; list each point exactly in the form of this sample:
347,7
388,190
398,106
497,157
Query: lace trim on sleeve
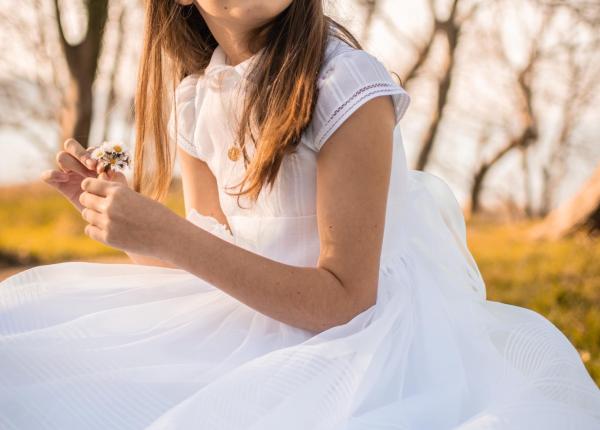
358,98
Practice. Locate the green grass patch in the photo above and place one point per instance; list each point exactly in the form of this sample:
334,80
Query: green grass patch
558,279
39,224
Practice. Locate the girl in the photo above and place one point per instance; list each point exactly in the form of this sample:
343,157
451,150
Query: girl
315,283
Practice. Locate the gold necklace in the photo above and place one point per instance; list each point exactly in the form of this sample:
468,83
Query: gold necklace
233,152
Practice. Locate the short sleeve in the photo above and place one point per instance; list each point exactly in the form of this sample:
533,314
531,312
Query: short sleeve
347,81
185,103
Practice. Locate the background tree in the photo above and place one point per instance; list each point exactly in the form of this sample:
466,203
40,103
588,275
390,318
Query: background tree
82,63
63,72
503,106
580,212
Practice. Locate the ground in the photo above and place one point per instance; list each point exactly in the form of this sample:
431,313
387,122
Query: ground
559,279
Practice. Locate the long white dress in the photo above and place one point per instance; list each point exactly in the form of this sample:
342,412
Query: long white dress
122,346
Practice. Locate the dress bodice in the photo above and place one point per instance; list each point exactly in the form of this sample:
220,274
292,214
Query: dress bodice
133,346
282,223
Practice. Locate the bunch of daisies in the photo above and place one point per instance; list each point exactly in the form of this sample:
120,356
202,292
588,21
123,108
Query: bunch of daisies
112,155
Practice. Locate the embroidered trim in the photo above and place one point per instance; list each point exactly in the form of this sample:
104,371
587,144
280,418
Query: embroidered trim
380,88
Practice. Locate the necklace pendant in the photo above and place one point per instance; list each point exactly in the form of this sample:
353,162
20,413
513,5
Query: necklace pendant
233,153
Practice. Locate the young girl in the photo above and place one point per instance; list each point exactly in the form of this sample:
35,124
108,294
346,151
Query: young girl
315,283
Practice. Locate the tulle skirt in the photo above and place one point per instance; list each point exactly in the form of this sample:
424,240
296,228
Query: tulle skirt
123,346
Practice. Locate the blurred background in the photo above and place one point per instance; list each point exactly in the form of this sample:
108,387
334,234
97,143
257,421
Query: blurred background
505,107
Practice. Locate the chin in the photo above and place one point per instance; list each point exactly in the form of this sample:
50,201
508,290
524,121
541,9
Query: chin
248,12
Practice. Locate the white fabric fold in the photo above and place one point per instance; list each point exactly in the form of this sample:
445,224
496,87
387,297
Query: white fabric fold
124,346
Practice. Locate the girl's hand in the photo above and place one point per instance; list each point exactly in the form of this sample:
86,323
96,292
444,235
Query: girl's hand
75,164
122,218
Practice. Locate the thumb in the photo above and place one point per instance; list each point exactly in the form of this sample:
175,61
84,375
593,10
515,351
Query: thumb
113,176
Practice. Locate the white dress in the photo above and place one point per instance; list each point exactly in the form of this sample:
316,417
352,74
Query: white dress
123,346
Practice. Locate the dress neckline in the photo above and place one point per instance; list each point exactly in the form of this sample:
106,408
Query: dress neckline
218,65
218,68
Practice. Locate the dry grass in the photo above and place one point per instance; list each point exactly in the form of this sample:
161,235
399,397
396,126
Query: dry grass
560,280
40,226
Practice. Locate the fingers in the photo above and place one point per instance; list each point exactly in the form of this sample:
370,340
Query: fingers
97,186
114,176
53,176
94,232
102,168
90,162
68,163
80,153
93,217
92,201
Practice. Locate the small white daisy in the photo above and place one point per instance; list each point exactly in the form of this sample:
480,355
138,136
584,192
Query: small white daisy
113,155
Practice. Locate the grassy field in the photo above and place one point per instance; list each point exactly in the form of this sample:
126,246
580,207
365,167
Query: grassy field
40,226
560,280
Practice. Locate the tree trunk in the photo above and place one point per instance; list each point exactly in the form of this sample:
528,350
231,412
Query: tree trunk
582,211
76,117
477,187
451,33
119,54
528,203
521,141
82,62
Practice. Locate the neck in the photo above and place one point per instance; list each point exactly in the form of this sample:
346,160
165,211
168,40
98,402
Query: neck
233,39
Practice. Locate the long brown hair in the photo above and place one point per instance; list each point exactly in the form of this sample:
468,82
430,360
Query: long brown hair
279,98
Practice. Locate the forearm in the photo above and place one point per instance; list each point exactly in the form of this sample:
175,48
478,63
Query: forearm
148,261
311,298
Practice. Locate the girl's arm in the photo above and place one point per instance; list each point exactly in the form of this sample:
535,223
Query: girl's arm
199,191
148,261
353,171
74,164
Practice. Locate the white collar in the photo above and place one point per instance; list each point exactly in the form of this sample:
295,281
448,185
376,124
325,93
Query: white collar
218,66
